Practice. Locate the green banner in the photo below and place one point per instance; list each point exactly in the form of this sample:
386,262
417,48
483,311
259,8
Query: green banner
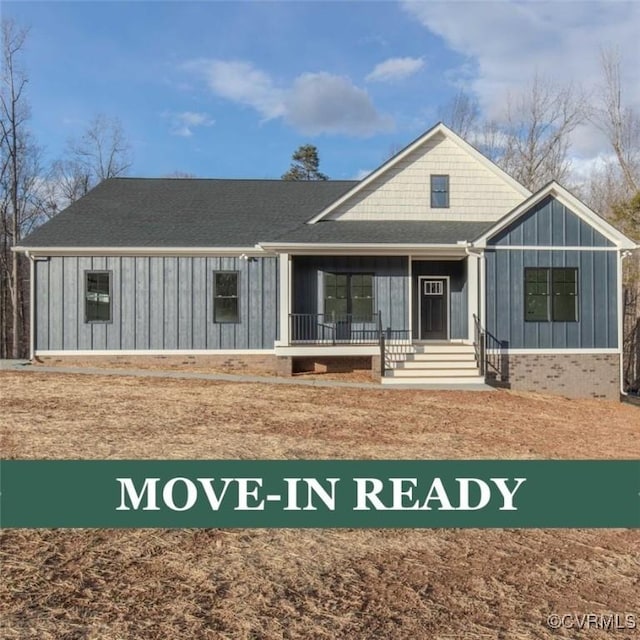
320,493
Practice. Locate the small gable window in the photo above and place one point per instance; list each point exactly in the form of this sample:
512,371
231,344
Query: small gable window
225,297
97,296
551,294
439,192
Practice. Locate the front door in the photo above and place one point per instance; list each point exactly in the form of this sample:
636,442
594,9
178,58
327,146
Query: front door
434,317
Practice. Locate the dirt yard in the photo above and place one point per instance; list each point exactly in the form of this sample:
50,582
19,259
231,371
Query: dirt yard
286,584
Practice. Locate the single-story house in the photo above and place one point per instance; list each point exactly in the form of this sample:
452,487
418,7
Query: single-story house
437,268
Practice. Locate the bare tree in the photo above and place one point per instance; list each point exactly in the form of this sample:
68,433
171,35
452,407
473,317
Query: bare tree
103,149
538,127
615,191
619,122
530,139
101,152
490,139
604,188
462,114
67,181
19,170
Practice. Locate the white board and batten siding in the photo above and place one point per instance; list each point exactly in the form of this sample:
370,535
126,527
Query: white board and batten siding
403,191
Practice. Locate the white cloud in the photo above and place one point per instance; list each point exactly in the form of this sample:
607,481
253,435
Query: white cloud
361,174
324,103
184,123
395,69
315,102
241,82
506,43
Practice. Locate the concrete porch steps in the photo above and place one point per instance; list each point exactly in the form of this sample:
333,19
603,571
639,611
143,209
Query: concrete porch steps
436,382
443,348
434,364
438,364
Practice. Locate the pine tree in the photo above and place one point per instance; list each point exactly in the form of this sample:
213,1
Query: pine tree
305,165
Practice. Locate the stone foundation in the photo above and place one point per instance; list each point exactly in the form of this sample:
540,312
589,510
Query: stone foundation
573,375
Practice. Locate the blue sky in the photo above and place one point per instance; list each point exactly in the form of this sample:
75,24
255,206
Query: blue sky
230,89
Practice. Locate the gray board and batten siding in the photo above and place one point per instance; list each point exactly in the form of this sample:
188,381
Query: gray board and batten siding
157,303
551,224
390,282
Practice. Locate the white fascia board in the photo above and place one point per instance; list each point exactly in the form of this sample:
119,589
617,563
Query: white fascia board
442,129
359,248
556,190
152,352
546,247
142,251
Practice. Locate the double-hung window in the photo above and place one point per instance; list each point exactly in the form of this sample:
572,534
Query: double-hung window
564,292
551,294
225,297
348,294
97,296
439,192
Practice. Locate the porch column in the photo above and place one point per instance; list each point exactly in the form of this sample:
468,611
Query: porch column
284,270
473,287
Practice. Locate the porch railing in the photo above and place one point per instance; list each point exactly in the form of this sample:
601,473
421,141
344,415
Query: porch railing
349,329
334,328
491,355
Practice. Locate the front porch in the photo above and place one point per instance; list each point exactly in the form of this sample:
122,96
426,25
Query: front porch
340,299
412,315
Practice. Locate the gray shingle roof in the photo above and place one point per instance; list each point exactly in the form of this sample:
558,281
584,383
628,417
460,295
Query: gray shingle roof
159,212
386,232
169,212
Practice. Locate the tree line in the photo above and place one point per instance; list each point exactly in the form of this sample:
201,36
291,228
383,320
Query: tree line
30,192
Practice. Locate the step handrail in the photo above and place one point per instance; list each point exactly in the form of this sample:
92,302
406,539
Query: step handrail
381,339
480,345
